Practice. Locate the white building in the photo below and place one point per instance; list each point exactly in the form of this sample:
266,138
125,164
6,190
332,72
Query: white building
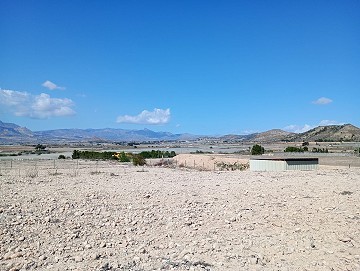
280,164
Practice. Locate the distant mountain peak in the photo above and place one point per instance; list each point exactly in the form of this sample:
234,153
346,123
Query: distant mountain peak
11,133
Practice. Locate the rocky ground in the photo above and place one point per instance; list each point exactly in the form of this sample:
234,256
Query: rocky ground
102,216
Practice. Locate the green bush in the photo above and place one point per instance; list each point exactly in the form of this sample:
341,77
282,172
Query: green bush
257,150
294,149
61,156
320,150
123,157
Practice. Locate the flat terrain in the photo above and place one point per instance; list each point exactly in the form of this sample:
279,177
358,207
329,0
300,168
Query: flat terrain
88,215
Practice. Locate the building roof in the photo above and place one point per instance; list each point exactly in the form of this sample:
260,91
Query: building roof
286,159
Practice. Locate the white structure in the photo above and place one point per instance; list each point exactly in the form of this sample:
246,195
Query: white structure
280,164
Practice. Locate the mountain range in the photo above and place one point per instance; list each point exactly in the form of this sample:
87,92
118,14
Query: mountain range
11,133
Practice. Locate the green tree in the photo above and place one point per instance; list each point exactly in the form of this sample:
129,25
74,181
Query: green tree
257,150
40,147
76,154
305,143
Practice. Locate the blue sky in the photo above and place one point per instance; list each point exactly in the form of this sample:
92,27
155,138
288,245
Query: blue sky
201,67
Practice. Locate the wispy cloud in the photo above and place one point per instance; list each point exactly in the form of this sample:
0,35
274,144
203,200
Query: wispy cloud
322,101
298,128
248,132
307,127
35,106
52,86
155,117
330,122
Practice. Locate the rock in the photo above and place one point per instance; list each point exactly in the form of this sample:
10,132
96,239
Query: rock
42,258
102,244
95,256
78,259
345,239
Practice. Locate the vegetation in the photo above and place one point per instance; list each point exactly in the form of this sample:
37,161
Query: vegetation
157,154
61,156
137,159
295,149
305,143
324,150
235,166
123,157
201,152
93,155
257,150
10,154
40,147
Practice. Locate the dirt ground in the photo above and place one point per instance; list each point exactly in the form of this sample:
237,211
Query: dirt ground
99,215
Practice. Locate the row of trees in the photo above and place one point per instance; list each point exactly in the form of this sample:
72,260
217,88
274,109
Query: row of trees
258,149
137,159
296,149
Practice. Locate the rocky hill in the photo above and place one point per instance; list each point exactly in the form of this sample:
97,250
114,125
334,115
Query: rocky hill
346,132
274,135
11,133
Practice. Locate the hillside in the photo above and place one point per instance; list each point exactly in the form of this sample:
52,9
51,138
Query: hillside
274,135
346,132
11,133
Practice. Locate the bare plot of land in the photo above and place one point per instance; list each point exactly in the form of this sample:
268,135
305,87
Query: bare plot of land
84,215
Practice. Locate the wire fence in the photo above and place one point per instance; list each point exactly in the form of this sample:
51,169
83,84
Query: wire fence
76,167
35,168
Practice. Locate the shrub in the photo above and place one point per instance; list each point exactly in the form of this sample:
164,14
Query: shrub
123,157
324,150
157,154
257,150
235,166
294,149
305,143
164,163
61,156
139,160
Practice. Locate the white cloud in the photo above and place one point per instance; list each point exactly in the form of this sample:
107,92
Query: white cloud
322,101
50,85
155,117
297,128
330,122
248,132
35,106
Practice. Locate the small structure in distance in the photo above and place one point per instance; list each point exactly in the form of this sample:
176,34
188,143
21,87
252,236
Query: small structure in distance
281,164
